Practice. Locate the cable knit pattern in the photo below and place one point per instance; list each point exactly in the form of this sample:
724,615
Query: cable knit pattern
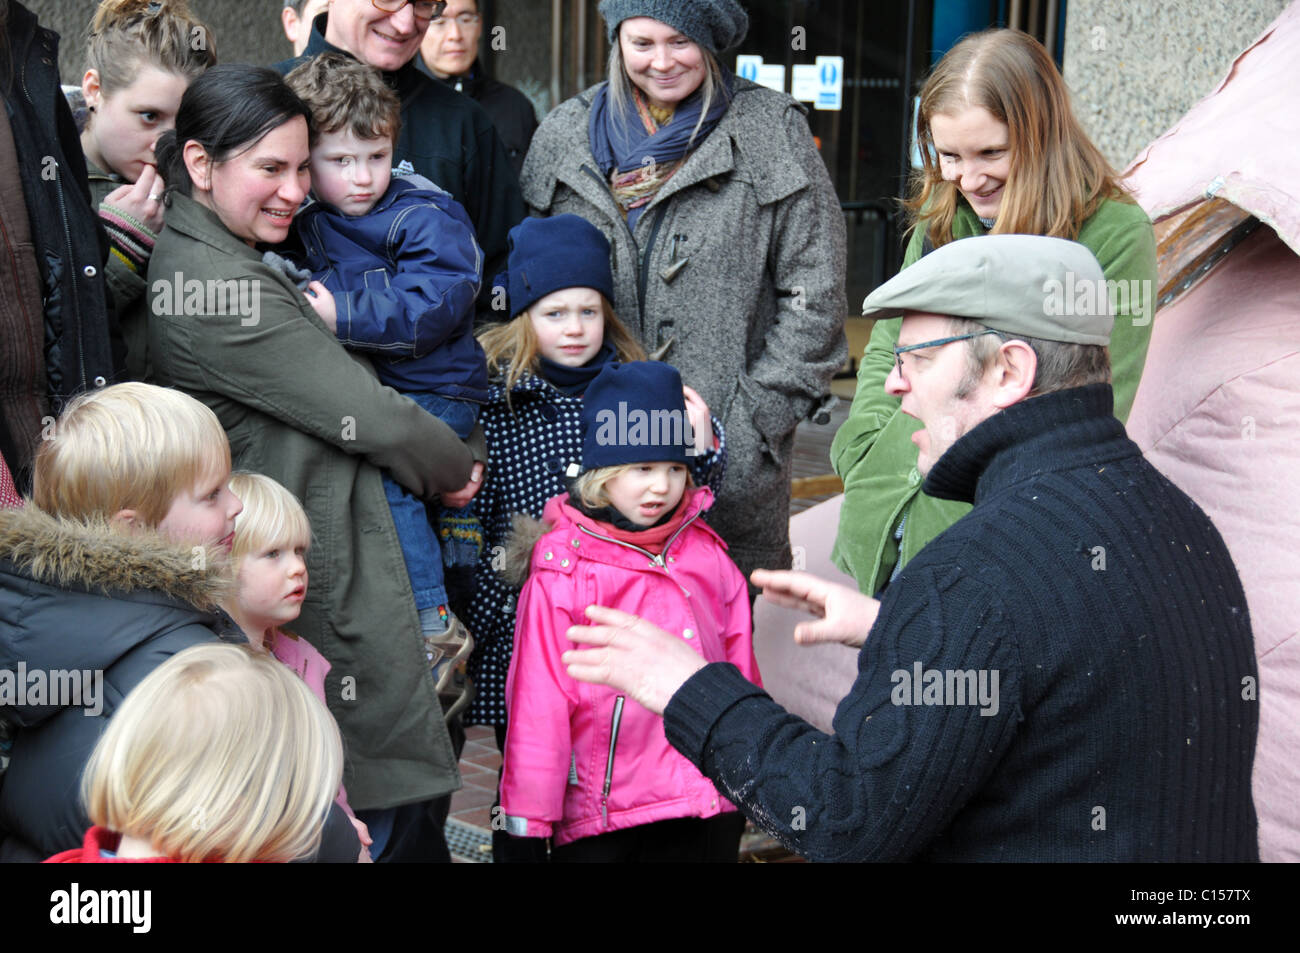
1125,718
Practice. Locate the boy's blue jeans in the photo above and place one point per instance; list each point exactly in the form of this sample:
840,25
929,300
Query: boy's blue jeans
419,541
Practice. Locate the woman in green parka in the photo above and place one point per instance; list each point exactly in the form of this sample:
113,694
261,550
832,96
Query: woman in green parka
1001,153
238,334
140,57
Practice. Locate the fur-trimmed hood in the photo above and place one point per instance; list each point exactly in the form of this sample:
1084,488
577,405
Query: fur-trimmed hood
86,613
94,556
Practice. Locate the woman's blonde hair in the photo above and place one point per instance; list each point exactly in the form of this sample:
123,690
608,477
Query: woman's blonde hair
1058,178
620,86
271,516
131,446
590,484
127,34
219,754
511,347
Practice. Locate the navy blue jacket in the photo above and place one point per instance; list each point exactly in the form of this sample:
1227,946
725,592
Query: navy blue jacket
450,139
404,278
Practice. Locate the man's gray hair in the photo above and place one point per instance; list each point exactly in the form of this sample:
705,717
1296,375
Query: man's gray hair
1060,365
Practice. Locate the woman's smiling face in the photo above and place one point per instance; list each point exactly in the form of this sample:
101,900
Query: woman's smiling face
256,191
974,150
664,64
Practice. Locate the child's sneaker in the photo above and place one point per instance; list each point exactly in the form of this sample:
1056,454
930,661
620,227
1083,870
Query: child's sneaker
448,653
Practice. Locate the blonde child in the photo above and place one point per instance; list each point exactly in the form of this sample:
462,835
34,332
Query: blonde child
117,563
220,755
140,57
583,764
269,556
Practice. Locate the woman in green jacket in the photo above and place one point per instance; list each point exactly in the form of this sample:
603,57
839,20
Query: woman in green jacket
237,334
1001,153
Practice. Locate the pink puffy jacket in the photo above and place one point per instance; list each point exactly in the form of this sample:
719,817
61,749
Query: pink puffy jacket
581,759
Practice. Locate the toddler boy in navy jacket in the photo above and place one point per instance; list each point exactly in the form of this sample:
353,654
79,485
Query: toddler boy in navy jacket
400,270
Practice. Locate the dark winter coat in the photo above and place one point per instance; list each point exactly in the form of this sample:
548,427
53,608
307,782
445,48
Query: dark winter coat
737,265
74,598
1123,720
531,443
76,346
449,139
510,110
404,278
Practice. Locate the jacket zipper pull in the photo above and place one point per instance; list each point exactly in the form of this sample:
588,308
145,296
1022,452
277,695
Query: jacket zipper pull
609,763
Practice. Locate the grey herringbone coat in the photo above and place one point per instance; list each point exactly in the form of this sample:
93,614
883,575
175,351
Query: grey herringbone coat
738,265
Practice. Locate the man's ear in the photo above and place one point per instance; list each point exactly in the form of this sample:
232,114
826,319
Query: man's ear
1014,373
125,520
199,165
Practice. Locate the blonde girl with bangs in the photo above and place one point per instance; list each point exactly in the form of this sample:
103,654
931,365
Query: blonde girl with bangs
1001,153
269,561
220,755
140,57
562,333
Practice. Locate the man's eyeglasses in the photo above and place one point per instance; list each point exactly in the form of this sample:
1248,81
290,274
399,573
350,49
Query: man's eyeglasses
900,351
463,20
423,9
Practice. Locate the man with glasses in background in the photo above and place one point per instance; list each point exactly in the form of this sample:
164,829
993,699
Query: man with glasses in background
1066,673
445,137
450,54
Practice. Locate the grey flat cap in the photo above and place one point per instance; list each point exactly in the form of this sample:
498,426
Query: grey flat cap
1029,285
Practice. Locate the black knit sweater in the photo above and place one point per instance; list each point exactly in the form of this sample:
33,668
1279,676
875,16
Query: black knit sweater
1106,603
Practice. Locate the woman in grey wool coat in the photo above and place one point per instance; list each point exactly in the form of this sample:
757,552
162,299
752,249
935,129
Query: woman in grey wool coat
727,238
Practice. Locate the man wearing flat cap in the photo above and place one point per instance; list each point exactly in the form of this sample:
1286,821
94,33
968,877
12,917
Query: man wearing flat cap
1065,674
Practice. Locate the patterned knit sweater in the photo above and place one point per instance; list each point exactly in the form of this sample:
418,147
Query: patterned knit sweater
1095,695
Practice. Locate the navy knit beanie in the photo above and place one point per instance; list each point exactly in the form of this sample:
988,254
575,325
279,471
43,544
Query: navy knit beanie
635,413
716,25
551,254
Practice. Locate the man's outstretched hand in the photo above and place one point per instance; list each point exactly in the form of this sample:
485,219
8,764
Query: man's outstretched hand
846,615
632,656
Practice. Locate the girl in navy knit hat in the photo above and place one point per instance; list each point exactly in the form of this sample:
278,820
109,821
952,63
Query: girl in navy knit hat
584,765
562,332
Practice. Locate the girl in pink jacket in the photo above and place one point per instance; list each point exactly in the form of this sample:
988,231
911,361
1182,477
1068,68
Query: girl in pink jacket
583,764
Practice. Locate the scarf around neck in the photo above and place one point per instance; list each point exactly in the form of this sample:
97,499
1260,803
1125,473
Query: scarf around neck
571,381
622,142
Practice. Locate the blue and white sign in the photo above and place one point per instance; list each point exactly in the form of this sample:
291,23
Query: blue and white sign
830,83
752,68
747,67
804,82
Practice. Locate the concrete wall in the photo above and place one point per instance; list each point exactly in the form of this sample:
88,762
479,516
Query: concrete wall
1135,66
